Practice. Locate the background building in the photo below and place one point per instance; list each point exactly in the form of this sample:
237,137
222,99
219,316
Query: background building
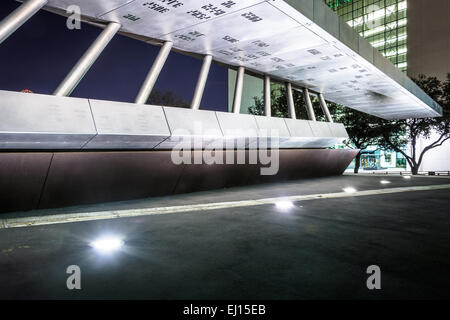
428,38
382,22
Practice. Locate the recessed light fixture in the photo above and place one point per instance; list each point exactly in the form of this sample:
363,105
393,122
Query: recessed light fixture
385,182
284,205
107,244
406,177
349,190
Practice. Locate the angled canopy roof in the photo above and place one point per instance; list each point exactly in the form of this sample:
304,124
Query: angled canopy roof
301,41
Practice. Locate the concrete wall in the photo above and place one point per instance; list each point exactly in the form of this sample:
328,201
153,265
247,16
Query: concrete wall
428,38
437,159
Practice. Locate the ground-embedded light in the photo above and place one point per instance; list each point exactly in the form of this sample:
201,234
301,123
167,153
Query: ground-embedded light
385,182
406,177
107,244
284,205
349,190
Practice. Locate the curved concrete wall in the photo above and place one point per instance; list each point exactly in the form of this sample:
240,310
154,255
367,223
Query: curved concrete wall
31,180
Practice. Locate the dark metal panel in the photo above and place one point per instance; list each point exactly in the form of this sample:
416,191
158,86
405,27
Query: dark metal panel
293,164
22,176
307,163
200,177
90,177
77,178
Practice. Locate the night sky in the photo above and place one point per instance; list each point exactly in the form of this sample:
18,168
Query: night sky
40,54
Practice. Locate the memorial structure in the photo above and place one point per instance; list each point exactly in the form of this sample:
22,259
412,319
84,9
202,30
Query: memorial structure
59,151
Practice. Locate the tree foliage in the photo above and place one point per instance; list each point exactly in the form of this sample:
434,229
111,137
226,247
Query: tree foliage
363,129
166,98
279,104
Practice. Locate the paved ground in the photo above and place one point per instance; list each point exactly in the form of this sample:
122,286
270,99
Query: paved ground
319,248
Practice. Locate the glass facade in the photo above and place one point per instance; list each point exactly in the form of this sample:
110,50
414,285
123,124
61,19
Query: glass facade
373,159
381,22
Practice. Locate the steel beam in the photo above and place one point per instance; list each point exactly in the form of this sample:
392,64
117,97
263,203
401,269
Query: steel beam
309,107
238,90
324,107
153,74
87,60
201,82
18,17
267,102
290,100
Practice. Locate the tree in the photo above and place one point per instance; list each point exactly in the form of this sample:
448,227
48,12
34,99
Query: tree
362,128
398,133
166,98
279,104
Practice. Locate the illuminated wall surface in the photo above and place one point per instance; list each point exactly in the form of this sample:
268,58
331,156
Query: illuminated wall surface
381,22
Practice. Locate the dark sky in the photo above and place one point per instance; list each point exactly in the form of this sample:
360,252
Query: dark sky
40,54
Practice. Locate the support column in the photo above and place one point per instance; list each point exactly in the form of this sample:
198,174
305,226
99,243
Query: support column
18,17
201,82
238,90
87,60
290,100
309,107
325,109
267,102
153,74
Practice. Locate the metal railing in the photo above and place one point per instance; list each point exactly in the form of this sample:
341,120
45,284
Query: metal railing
406,173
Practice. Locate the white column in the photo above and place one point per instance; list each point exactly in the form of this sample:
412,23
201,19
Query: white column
238,90
309,107
153,74
290,100
325,109
18,17
267,102
201,82
87,60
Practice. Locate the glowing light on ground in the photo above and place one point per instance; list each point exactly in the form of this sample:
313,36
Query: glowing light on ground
107,244
284,205
350,190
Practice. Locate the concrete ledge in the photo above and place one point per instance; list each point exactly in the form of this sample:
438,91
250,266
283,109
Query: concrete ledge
187,124
36,121
238,129
127,125
44,122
